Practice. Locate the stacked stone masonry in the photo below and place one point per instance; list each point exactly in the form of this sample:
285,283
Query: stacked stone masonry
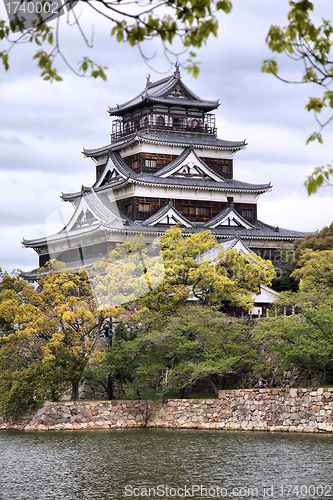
292,410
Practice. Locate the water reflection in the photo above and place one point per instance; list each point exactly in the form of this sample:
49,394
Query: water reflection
120,464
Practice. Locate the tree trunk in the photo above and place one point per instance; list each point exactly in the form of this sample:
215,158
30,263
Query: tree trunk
75,391
214,386
109,388
184,392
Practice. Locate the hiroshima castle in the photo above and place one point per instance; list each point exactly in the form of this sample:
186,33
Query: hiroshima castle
164,165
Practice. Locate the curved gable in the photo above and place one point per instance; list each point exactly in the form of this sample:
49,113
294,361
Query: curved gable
189,165
229,217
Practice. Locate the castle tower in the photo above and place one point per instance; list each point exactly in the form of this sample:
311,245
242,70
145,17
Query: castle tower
164,165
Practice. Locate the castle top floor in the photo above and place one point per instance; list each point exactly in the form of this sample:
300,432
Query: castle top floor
166,107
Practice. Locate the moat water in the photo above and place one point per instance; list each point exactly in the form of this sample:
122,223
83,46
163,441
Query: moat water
169,464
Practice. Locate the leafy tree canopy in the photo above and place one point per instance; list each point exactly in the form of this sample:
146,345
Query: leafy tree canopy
320,241
297,256
54,334
190,21
309,45
174,352
316,271
305,340
14,291
178,272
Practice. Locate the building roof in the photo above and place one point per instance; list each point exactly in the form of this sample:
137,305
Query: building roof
181,159
212,181
107,218
180,139
230,185
168,210
167,91
228,244
227,185
229,216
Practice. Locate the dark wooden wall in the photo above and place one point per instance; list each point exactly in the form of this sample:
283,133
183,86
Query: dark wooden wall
140,208
222,166
137,162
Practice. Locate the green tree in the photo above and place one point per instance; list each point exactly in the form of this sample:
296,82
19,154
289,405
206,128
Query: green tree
189,277
288,279
130,271
56,333
229,279
311,45
172,353
64,315
177,272
316,271
321,241
190,22
305,340
14,291
195,344
24,378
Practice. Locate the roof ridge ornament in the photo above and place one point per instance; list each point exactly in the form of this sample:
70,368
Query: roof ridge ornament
148,81
177,71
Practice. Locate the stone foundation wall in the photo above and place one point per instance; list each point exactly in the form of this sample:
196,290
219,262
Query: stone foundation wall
292,410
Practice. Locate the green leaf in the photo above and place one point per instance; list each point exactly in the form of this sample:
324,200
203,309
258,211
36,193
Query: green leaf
315,136
270,66
224,5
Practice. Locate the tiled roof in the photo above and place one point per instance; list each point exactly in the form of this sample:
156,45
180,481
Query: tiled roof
228,244
177,161
94,151
223,214
163,211
186,140
159,92
260,230
229,185
182,157
155,179
121,223
164,138
120,163
78,232
98,207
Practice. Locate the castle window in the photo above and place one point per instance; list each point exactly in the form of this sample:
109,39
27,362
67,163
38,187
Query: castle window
150,163
160,121
196,211
203,211
248,214
146,122
177,123
144,207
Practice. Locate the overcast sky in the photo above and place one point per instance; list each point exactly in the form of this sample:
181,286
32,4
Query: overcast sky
44,127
